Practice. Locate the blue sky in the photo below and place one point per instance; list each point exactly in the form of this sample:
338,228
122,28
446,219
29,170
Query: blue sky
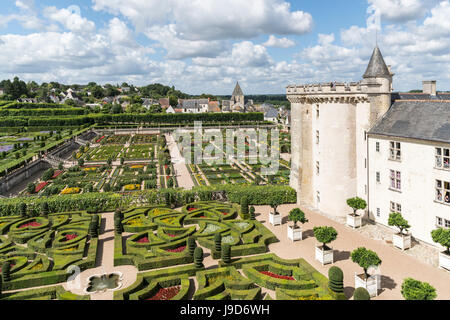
205,46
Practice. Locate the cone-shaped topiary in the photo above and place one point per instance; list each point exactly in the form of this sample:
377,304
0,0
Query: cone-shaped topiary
336,277
118,214
226,253
244,207
45,209
191,244
361,294
23,209
118,226
252,213
198,257
218,242
93,230
6,271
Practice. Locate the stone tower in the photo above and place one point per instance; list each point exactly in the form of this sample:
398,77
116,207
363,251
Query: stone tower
237,97
329,143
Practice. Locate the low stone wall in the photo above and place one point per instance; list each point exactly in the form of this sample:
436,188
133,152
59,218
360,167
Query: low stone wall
20,178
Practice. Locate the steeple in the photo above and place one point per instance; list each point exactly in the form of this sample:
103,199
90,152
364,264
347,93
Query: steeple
237,90
377,67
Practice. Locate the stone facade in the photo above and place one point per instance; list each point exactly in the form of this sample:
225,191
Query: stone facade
329,127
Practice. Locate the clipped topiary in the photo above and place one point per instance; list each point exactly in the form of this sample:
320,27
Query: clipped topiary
252,213
45,209
361,294
218,242
226,254
118,227
191,244
6,271
416,290
336,279
23,209
198,258
244,207
118,214
93,230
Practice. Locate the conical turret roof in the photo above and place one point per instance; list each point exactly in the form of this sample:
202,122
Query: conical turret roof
237,90
377,67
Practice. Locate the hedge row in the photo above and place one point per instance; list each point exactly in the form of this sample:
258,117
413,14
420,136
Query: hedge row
99,202
42,112
101,119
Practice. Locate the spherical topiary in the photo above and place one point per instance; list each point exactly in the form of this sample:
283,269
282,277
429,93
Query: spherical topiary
191,244
361,294
336,277
252,213
198,257
226,253
218,242
6,271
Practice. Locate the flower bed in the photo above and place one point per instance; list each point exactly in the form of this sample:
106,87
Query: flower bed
71,236
40,186
176,250
131,187
30,224
277,276
56,174
71,191
166,293
143,240
100,139
138,166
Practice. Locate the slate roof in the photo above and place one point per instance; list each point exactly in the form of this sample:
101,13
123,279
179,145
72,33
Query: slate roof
377,67
424,120
189,104
419,96
237,90
271,113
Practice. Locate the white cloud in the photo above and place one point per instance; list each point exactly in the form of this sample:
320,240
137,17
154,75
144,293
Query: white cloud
70,18
279,42
399,10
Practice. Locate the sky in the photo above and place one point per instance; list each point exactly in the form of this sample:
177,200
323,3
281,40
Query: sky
205,46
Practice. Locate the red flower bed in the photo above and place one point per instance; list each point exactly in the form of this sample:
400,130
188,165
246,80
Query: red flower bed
179,249
143,240
224,213
166,293
202,217
57,173
30,224
192,209
70,236
40,186
277,276
98,140
171,235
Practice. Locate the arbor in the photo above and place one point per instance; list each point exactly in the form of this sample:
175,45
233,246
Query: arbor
365,259
297,215
396,220
356,204
442,236
416,290
325,235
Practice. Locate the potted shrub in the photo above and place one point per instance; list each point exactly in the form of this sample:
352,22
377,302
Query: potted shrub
416,290
400,240
442,236
295,231
275,216
365,259
324,235
354,220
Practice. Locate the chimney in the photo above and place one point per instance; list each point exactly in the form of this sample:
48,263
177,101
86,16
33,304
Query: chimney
429,87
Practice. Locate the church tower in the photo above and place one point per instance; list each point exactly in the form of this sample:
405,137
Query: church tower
238,96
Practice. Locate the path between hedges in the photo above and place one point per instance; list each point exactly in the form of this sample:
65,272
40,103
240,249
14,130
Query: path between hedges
183,177
395,267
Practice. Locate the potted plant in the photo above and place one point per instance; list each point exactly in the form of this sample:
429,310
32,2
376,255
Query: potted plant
400,240
442,236
366,259
325,235
416,290
275,217
295,231
354,220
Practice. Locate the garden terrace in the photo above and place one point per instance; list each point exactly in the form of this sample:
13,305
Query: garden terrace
41,248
